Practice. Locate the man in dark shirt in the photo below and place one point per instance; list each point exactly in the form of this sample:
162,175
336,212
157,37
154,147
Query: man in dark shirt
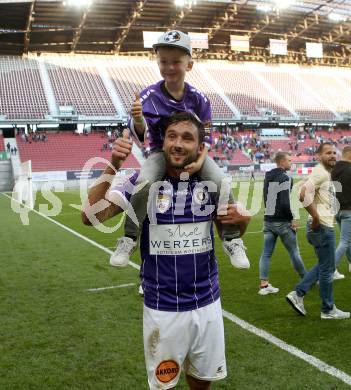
278,221
342,174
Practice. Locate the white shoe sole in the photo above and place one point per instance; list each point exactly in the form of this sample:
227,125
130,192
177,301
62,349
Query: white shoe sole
328,317
118,264
264,291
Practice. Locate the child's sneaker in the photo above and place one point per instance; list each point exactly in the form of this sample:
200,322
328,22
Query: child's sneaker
235,249
125,247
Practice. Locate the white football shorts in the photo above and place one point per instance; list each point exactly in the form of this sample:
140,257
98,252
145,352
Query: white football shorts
192,341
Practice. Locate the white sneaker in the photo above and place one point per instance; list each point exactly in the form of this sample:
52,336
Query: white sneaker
269,289
349,267
296,302
235,249
338,276
335,314
125,247
141,291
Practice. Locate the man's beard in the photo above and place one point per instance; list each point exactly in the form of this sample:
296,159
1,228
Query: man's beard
181,164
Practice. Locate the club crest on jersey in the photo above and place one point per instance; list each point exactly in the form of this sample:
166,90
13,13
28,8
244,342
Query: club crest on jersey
163,203
172,36
200,195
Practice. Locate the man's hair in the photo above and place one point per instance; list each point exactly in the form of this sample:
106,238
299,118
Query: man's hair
346,151
185,116
280,156
321,147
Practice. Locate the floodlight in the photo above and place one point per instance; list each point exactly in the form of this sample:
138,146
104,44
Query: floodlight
264,7
185,3
337,17
77,3
284,3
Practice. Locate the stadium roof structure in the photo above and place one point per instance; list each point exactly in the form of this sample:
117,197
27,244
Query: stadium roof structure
116,26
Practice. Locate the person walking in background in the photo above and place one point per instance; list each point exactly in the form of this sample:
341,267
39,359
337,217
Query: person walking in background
341,173
318,197
278,221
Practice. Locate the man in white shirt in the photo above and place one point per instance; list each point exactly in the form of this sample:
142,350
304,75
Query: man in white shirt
318,197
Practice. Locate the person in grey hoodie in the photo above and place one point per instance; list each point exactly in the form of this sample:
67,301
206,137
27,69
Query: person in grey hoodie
278,221
342,173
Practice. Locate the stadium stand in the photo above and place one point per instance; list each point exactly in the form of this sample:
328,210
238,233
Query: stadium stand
2,145
220,109
130,77
77,83
295,93
329,89
246,92
64,152
21,91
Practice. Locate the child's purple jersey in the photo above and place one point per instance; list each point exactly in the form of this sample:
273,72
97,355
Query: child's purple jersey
159,105
179,267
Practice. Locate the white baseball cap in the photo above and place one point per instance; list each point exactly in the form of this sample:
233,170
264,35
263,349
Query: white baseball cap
174,38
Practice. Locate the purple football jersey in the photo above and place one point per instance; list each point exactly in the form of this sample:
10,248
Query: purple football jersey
179,267
158,105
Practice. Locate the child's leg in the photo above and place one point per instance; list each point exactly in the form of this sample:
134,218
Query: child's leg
211,172
153,170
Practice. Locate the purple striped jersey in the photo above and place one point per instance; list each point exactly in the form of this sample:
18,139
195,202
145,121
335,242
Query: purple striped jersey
179,268
158,105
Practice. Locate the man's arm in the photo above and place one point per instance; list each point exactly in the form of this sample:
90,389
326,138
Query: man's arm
236,215
306,198
285,196
122,147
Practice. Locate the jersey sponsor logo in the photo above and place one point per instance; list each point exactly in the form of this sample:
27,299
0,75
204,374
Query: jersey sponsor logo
200,195
167,370
180,239
163,203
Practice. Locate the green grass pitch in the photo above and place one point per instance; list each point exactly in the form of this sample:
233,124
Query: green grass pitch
55,334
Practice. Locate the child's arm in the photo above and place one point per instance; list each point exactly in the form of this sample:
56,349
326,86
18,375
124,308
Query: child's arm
196,165
137,115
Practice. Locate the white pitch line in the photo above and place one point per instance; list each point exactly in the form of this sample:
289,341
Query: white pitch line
136,266
313,361
111,287
319,364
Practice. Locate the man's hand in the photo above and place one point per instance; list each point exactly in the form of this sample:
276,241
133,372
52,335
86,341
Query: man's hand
316,223
235,214
137,109
121,149
294,225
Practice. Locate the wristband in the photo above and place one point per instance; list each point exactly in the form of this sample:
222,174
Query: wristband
141,122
